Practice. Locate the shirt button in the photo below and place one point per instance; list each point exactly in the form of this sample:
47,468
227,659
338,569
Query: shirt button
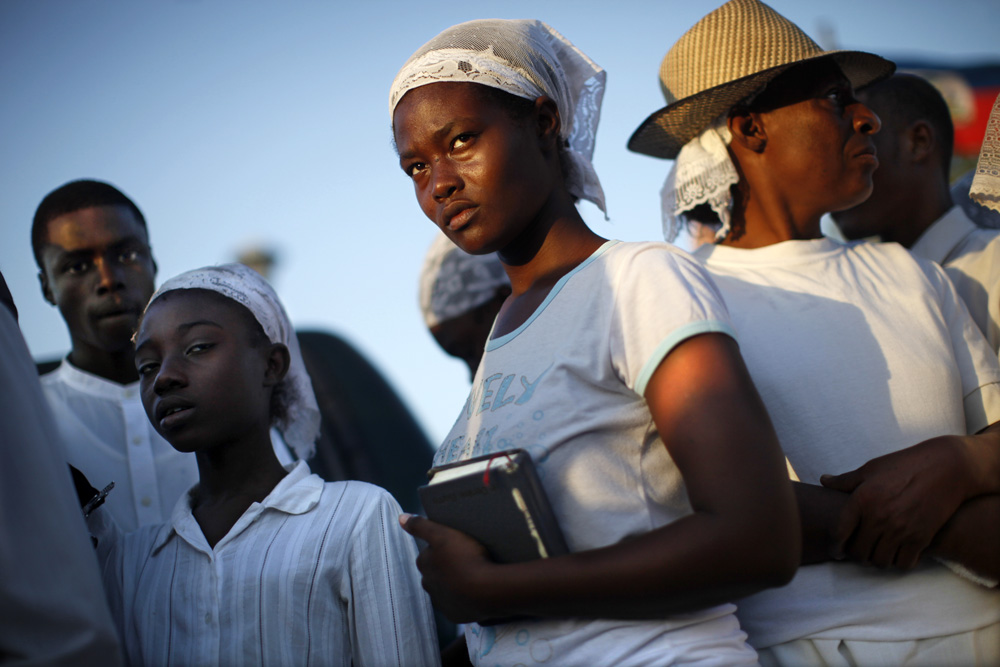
137,440
146,501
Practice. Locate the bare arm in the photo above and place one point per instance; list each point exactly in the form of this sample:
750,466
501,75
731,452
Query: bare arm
900,502
718,433
819,511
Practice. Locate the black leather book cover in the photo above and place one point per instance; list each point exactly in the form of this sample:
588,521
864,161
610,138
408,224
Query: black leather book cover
499,500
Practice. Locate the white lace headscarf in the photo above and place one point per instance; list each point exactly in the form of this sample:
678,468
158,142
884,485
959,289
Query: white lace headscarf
453,282
300,426
702,173
527,59
985,189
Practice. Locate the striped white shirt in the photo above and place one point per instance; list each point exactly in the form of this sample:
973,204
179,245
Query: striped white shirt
316,574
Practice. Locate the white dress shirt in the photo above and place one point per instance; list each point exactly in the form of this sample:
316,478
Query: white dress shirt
316,574
970,256
52,608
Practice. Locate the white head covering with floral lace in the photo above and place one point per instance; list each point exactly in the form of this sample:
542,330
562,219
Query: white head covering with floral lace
702,173
300,427
527,59
985,188
453,282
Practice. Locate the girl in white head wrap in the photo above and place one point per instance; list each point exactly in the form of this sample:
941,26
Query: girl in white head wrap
300,423
527,59
576,372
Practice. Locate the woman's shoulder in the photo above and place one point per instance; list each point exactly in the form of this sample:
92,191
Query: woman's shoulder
652,256
657,265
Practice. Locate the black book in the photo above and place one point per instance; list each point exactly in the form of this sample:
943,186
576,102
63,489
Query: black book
499,500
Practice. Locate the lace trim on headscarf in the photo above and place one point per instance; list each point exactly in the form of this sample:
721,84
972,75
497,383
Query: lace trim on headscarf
985,188
702,174
527,59
300,426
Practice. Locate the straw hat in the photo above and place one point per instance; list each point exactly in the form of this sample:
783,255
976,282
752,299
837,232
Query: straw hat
726,57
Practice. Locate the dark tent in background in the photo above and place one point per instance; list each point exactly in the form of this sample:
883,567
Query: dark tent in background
367,432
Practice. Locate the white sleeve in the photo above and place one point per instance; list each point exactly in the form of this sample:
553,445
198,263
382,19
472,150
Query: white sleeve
978,365
390,616
662,297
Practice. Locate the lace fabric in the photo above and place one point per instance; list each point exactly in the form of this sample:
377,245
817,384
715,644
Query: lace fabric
702,173
453,282
985,188
300,427
528,59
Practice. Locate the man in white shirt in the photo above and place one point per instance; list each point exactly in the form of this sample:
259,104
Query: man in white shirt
95,265
911,202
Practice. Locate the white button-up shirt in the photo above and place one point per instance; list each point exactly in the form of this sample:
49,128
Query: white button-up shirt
970,256
108,438
315,574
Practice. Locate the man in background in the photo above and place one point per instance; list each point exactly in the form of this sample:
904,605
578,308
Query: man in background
95,265
911,202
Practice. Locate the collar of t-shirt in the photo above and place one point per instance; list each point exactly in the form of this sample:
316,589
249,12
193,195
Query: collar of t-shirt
940,239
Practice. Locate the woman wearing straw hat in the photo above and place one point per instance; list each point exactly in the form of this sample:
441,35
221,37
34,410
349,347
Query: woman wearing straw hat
859,351
610,381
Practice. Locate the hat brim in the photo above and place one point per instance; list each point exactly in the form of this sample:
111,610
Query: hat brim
665,132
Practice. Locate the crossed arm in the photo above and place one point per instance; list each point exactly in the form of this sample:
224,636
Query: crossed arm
717,430
940,498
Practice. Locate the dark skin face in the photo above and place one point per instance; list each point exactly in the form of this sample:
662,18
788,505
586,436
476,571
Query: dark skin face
482,176
870,217
98,270
910,192
206,379
492,182
805,148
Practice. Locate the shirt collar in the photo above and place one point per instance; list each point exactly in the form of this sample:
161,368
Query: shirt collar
784,252
95,385
298,492
941,238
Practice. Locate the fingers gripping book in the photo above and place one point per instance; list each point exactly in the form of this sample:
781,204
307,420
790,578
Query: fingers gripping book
498,500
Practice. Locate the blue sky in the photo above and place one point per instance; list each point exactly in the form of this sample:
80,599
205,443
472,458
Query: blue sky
236,123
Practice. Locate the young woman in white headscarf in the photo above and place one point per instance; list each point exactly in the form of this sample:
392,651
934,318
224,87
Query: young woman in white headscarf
885,395
613,364
260,564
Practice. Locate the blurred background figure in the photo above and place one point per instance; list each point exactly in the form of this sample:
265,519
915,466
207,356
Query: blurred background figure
911,203
983,191
52,604
460,296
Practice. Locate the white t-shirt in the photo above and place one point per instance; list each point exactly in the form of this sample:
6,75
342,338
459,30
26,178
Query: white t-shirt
858,350
315,574
567,386
970,256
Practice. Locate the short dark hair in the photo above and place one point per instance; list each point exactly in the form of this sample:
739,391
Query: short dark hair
904,99
75,196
